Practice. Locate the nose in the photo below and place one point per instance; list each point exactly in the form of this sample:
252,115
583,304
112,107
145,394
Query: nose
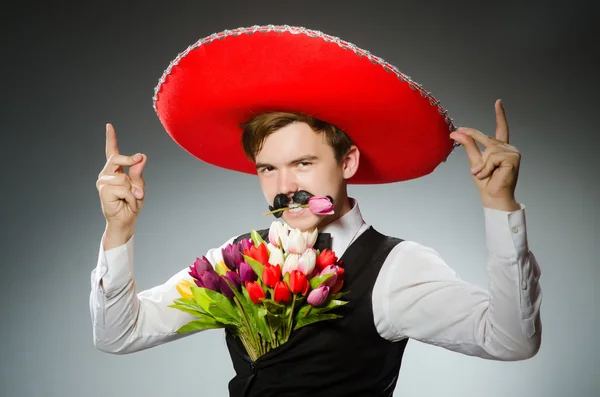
286,183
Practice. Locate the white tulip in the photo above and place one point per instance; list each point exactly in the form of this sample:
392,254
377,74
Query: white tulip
275,255
311,237
290,264
296,243
274,234
306,263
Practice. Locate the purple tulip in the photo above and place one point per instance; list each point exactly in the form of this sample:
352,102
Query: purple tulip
247,273
209,280
200,266
225,289
245,244
317,296
234,278
232,256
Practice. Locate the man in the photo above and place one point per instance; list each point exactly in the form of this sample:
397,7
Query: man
318,132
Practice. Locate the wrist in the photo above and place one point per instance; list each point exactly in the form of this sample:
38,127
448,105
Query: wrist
501,204
116,235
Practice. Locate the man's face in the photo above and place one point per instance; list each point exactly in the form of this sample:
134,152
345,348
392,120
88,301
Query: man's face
297,158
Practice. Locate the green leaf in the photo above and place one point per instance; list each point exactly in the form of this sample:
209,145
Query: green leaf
273,306
255,265
190,304
217,305
256,238
315,310
302,312
205,322
248,307
275,321
315,282
339,294
263,327
313,318
332,304
188,309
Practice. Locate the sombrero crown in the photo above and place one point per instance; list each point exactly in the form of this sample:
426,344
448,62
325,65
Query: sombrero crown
225,79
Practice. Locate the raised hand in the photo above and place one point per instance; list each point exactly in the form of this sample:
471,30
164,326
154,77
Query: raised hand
496,170
121,195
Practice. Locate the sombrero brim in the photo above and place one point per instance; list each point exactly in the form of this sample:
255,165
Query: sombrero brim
227,78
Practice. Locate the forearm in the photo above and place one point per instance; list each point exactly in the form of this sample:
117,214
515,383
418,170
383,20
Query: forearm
423,298
515,292
125,321
511,328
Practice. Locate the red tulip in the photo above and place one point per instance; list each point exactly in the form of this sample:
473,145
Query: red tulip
298,282
325,258
255,291
260,253
271,275
281,293
339,283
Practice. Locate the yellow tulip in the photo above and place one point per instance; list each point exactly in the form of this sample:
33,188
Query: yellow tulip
221,268
184,288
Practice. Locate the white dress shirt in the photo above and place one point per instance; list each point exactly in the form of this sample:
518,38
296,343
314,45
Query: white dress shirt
416,295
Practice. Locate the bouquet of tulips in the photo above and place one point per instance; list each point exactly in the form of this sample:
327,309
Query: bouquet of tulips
262,291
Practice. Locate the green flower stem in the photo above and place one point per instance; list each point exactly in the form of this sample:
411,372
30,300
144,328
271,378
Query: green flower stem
290,319
285,208
251,350
307,311
250,331
273,338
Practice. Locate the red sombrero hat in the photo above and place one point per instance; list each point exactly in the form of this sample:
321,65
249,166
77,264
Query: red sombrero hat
227,78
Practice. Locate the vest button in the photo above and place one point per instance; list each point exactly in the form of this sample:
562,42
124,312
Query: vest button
253,367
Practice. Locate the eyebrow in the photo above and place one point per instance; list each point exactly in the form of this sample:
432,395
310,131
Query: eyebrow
308,157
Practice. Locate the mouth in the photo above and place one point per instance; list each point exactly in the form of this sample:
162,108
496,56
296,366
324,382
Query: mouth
295,207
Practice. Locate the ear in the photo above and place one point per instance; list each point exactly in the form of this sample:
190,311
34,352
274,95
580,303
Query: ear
350,162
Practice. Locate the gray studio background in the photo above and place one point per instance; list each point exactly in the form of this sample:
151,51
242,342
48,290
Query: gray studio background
69,69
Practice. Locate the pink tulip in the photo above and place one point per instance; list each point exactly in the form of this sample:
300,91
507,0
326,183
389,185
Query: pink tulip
317,296
330,269
320,205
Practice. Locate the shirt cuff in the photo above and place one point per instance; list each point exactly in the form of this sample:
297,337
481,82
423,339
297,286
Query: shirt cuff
506,232
115,264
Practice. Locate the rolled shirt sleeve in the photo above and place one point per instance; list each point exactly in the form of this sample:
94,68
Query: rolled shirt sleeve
125,320
419,296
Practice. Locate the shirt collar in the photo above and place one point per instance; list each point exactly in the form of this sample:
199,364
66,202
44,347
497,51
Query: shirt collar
345,229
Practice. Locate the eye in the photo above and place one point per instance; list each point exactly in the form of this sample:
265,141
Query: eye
304,164
264,170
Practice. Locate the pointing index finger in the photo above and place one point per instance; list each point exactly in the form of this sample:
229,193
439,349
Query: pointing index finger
111,141
501,123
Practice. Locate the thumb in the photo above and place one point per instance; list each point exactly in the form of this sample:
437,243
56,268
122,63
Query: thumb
135,172
470,146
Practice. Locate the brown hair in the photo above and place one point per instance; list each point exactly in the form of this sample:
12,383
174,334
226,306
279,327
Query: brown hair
256,130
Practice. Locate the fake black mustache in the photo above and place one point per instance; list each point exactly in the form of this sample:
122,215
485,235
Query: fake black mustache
282,200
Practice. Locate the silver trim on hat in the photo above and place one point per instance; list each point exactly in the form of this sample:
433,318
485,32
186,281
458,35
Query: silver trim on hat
316,34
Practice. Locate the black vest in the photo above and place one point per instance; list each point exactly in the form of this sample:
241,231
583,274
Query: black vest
333,358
